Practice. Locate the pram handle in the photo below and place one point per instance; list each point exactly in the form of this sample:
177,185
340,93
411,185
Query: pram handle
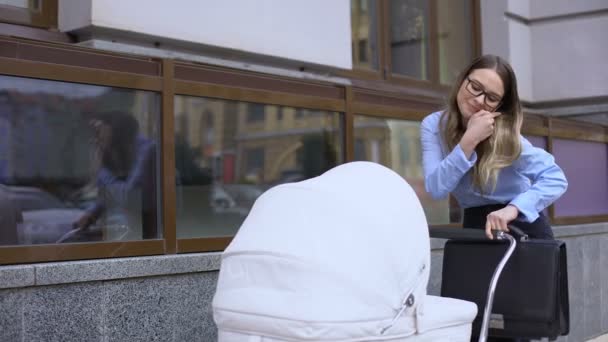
487,312
472,234
479,234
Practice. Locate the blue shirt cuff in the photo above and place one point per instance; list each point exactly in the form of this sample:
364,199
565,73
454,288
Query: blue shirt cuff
529,215
460,161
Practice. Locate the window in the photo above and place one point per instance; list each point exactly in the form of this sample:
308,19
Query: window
455,35
77,156
364,31
585,164
33,5
255,113
409,39
254,164
218,184
38,13
536,141
280,114
428,41
363,53
396,145
300,113
359,149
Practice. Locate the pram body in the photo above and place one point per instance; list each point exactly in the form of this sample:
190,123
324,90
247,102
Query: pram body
341,257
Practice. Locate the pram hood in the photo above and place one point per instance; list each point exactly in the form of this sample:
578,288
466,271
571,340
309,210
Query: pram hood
334,257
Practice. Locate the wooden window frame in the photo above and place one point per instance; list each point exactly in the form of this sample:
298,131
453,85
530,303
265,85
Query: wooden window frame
22,58
384,52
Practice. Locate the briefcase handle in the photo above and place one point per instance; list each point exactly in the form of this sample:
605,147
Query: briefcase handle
517,233
472,234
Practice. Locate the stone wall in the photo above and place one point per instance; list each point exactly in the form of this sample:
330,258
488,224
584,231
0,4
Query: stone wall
168,298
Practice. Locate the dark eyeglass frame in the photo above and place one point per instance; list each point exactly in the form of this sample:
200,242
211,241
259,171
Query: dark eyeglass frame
481,92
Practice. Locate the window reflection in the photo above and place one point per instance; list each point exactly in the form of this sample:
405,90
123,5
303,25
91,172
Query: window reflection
77,162
364,33
228,153
455,37
28,4
410,38
396,145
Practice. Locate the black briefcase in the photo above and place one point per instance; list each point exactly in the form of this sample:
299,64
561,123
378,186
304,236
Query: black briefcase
531,298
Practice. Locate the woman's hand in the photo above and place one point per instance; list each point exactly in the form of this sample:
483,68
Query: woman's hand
84,222
499,219
480,126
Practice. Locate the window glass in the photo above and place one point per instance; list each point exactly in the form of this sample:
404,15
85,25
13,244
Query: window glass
396,145
225,160
409,38
21,4
364,33
77,162
455,33
586,167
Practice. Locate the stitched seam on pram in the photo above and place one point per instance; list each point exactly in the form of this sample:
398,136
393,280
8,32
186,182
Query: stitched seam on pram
357,339
301,320
372,327
316,267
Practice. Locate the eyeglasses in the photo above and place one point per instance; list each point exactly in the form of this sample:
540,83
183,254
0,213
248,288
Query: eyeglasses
476,89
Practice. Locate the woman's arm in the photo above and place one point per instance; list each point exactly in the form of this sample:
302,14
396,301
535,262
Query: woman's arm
441,174
120,189
548,181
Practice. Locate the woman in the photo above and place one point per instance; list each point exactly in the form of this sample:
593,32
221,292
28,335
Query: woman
125,175
474,150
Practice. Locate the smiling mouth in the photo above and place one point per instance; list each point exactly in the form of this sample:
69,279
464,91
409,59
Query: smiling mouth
475,109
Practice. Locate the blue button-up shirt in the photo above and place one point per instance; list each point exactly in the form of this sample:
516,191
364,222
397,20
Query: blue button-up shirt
531,183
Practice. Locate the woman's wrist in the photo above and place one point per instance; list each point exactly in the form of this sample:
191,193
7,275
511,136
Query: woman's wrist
513,209
468,145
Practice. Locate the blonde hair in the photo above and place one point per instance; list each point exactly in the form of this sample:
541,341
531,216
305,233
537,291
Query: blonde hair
503,147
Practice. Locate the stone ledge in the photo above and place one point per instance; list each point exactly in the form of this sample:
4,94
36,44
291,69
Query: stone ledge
122,268
17,276
106,269
582,229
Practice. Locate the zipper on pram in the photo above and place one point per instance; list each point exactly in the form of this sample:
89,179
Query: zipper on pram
408,301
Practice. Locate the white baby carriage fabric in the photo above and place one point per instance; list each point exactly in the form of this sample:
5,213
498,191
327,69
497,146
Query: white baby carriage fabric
341,257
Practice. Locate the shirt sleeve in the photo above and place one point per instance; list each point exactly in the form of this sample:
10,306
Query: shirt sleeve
548,181
120,189
441,174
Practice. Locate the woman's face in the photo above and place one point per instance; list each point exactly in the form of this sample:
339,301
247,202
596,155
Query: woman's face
482,89
103,134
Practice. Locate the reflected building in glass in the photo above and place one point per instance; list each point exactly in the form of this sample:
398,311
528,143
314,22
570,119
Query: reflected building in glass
395,144
228,153
64,183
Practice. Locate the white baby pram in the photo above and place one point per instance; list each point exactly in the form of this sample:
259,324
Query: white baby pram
341,257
